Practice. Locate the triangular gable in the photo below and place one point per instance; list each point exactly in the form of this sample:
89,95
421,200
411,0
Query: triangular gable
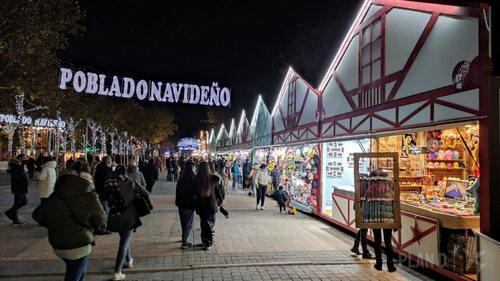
260,126
297,103
387,62
242,133
232,133
222,136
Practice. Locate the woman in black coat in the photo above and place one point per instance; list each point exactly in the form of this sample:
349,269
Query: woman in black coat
123,216
185,193
206,202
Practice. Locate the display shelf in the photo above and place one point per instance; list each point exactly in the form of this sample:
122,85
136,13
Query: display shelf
445,168
377,198
444,160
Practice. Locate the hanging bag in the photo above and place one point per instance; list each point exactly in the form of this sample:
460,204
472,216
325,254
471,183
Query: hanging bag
141,202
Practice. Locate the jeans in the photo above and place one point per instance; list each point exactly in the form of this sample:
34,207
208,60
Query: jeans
213,218
235,181
206,230
123,250
361,237
186,216
75,269
388,247
20,200
261,194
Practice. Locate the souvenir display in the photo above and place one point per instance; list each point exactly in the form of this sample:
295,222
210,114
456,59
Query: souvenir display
377,194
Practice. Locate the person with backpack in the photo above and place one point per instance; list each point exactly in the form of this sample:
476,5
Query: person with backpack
71,214
123,216
235,170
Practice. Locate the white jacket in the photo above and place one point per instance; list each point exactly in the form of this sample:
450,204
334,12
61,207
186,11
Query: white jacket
47,179
262,177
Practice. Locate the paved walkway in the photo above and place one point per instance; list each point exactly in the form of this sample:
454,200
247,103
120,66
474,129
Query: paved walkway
250,245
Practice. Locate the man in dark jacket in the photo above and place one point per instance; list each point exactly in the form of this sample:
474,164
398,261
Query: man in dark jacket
185,192
19,187
30,164
103,172
150,174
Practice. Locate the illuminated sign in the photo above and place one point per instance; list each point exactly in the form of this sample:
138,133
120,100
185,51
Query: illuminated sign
93,83
188,144
41,122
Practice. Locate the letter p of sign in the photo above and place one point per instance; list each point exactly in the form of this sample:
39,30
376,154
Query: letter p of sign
66,75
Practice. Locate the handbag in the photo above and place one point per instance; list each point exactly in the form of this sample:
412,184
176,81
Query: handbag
141,205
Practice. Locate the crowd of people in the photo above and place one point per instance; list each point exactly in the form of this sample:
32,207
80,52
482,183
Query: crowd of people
99,198
82,200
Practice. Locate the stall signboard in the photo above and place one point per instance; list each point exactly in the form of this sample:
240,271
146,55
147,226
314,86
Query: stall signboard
100,84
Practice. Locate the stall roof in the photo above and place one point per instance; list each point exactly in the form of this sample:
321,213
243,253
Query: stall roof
261,125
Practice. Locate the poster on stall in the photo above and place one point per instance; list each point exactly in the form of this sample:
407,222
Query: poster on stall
338,168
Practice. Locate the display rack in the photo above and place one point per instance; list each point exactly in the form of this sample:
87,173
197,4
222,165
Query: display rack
376,198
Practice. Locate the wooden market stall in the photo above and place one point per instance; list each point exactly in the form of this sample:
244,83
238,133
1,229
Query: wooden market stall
409,79
294,157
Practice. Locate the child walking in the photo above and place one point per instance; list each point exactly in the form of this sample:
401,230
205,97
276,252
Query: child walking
282,198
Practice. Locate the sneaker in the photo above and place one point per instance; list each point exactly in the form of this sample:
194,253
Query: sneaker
118,276
129,264
262,208
186,245
257,207
18,223
391,268
377,267
207,247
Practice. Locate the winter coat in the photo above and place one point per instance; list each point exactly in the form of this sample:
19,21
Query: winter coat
30,164
246,169
220,193
281,197
72,212
262,177
121,194
47,179
101,175
150,172
185,193
207,205
18,178
133,173
235,170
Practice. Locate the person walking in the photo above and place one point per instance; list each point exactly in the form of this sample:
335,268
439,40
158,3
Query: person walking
71,214
18,187
47,179
123,216
235,170
377,233
134,174
185,193
252,179
30,164
220,193
150,175
103,173
247,168
206,202
262,178
361,237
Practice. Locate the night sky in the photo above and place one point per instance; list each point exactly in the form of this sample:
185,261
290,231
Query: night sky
244,45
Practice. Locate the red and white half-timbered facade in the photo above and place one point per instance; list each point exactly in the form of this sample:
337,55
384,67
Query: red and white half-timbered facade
406,65
295,113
